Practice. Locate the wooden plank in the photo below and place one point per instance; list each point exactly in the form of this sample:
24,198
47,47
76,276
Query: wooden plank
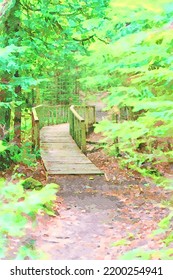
71,149
62,160
65,162
75,172
60,135
70,168
58,145
55,140
58,165
59,153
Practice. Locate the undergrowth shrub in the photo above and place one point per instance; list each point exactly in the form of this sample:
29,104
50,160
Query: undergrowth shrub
11,153
7,155
18,209
165,252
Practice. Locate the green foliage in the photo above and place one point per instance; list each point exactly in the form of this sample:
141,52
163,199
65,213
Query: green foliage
121,242
139,254
2,146
136,254
17,208
11,153
25,154
7,155
135,67
164,230
39,41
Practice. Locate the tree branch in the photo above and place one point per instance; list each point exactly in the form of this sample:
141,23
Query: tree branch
5,7
102,40
26,7
90,37
85,39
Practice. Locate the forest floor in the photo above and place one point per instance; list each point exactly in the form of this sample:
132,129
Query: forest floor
95,212
98,217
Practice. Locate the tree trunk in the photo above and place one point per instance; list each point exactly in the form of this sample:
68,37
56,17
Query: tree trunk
12,28
18,112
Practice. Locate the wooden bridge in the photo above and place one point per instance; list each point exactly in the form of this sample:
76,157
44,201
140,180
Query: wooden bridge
60,132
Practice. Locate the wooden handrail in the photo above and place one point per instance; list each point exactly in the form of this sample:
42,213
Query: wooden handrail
35,116
76,114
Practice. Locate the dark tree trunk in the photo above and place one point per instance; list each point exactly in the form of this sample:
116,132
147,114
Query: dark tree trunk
12,28
18,114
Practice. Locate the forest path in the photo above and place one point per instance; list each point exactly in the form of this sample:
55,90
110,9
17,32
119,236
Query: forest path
61,155
93,214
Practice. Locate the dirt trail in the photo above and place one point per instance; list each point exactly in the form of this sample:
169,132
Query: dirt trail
93,214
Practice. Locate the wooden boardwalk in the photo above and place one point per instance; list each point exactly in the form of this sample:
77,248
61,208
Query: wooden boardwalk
61,155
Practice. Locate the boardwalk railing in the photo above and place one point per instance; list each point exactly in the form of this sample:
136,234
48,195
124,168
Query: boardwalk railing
77,128
81,119
88,114
50,115
81,122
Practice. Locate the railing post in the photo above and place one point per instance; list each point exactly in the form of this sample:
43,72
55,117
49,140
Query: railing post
86,114
37,134
35,129
94,114
83,136
71,121
33,139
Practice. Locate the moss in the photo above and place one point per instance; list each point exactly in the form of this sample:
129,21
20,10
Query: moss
31,183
